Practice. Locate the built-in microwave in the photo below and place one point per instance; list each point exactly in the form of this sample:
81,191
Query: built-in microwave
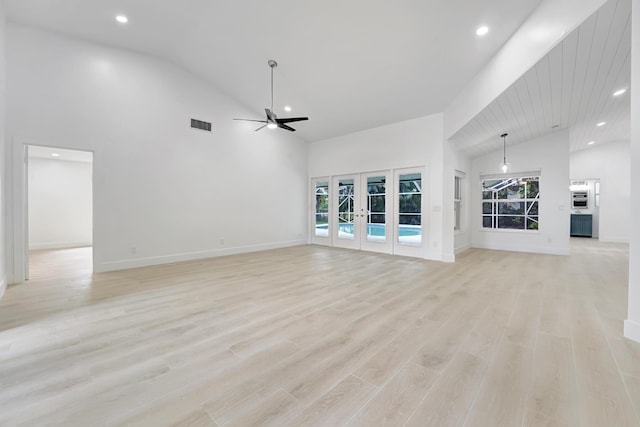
579,199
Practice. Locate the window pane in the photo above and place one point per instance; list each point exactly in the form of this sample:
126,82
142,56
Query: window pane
376,208
532,223
487,207
322,209
511,222
487,195
532,208
410,208
510,208
487,222
345,209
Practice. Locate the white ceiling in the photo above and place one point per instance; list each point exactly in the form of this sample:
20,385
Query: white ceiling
571,87
348,65
39,152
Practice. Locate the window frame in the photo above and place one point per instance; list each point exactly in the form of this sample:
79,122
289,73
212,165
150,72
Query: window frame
498,204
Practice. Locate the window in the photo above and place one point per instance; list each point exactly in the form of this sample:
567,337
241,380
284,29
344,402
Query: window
457,201
322,209
410,208
511,203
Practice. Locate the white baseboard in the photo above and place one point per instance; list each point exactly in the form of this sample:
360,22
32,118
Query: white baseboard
189,256
3,286
547,250
609,239
58,245
632,330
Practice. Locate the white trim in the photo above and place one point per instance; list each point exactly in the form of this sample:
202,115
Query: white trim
190,256
58,245
632,330
613,239
3,286
549,250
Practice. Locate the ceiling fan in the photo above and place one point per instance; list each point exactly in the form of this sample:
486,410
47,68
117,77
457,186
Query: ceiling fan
272,121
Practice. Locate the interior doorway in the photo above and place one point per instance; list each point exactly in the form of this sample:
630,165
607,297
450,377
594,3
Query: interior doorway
59,189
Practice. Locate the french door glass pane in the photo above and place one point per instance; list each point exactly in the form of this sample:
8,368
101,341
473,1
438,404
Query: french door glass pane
322,209
346,214
376,209
410,209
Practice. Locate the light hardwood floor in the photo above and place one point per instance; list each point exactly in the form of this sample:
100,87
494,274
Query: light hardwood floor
327,337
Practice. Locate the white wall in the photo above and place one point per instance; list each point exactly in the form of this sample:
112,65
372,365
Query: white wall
410,143
60,204
632,324
161,190
550,155
611,164
3,205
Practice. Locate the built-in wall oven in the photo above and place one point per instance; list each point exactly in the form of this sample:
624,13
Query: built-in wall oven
579,199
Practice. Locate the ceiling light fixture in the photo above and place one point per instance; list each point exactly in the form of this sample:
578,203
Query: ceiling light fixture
591,142
505,167
601,124
619,92
481,31
55,155
287,108
122,19
272,125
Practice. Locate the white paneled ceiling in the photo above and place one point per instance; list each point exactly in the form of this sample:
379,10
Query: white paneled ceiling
349,65
571,87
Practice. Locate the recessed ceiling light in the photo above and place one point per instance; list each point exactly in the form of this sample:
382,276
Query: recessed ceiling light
287,108
591,142
122,19
619,92
481,31
55,155
601,124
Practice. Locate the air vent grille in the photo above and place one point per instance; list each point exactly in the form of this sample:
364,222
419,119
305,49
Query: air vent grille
199,124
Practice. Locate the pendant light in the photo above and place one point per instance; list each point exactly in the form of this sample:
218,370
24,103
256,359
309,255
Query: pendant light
505,167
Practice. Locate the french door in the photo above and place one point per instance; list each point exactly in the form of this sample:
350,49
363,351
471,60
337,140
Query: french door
375,211
362,209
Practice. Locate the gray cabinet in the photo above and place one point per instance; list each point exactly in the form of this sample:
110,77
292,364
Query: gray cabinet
582,225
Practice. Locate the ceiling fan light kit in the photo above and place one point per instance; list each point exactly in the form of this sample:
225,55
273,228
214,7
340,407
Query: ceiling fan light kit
272,121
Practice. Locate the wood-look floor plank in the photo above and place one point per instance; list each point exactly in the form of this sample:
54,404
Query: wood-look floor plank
449,399
395,403
322,336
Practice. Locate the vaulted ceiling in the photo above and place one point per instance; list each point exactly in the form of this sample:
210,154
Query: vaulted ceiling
571,87
365,63
349,65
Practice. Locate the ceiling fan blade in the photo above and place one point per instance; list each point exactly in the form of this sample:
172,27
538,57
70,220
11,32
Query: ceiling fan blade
260,128
251,120
283,126
292,119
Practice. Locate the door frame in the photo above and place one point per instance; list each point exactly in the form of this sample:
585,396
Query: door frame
385,246
335,234
321,240
405,249
18,218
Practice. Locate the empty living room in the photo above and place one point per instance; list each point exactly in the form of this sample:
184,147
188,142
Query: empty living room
332,214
